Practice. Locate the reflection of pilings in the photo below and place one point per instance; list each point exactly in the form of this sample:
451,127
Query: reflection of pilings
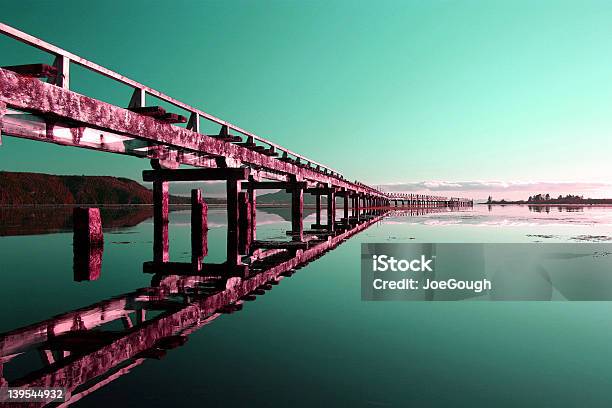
94,356
421,200
87,262
416,211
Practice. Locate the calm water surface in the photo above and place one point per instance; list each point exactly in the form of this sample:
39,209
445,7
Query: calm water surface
312,341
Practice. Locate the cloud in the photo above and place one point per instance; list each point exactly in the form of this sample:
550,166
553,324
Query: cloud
496,186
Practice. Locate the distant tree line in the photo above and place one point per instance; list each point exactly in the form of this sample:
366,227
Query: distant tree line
546,198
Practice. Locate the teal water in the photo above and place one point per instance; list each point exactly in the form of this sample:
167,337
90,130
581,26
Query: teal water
312,341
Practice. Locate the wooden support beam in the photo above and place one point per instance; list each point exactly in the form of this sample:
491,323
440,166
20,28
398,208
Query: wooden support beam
158,113
34,70
199,225
233,257
346,207
273,185
253,208
280,244
160,221
196,174
318,208
269,185
173,118
318,190
297,212
244,222
152,111
331,209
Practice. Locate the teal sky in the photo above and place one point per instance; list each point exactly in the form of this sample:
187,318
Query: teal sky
385,92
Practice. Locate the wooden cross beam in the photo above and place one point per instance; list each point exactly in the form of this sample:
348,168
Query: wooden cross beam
196,174
273,185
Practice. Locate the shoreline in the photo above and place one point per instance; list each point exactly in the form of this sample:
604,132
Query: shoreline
553,204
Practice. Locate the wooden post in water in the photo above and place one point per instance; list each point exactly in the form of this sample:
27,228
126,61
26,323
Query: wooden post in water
233,258
346,207
88,244
199,225
244,220
318,209
331,208
160,221
88,226
253,215
297,212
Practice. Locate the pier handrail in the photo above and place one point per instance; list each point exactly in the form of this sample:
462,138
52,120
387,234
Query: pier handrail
59,52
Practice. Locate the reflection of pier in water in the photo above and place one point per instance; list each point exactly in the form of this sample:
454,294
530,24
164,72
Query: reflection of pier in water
85,349
416,211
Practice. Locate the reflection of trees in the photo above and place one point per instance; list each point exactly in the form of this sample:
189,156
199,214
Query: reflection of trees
560,208
45,220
